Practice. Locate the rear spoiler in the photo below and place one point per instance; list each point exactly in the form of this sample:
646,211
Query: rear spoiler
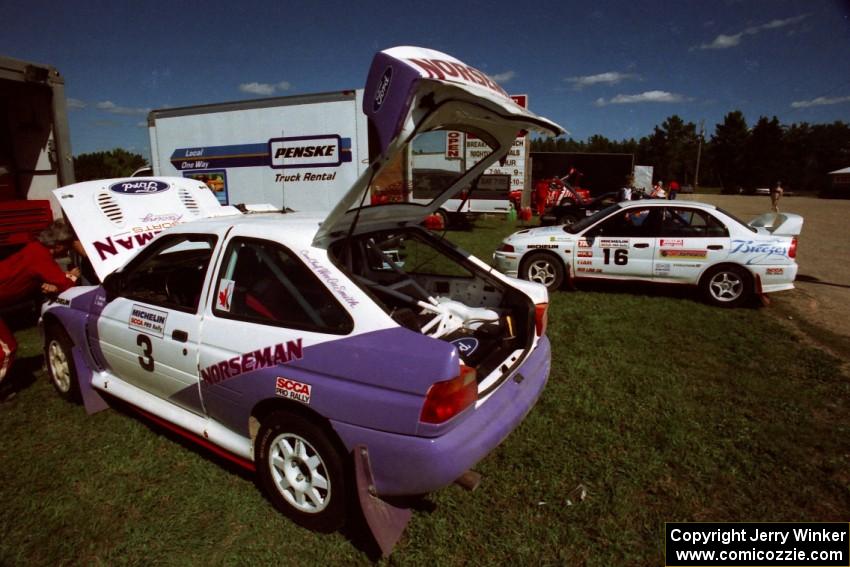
779,224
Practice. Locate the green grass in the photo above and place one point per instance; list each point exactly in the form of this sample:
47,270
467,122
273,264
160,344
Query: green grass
663,408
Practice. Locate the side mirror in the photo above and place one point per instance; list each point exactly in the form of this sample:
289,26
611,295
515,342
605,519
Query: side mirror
113,284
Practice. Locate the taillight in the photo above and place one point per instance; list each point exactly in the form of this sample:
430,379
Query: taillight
445,400
541,318
506,248
792,251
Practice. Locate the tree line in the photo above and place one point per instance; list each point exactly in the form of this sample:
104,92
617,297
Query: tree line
106,165
735,156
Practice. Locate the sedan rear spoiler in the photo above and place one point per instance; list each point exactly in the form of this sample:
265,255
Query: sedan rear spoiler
779,224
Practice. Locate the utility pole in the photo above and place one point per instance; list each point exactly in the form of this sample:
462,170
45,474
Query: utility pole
699,153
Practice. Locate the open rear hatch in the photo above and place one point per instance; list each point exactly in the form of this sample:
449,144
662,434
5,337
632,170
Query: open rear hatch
417,102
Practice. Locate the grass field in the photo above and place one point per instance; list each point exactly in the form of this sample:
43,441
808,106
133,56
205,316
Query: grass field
663,408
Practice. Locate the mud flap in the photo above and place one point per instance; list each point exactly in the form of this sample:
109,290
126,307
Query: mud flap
92,401
385,521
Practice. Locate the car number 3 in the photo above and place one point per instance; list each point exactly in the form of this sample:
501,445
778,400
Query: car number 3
146,360
621,256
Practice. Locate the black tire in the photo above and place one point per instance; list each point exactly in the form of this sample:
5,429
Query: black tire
58,356
544,268
313,457
726,286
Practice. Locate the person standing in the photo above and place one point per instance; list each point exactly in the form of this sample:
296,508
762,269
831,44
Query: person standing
673,190
658,191
775,195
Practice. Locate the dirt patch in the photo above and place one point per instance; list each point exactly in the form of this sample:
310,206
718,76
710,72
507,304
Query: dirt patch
820,306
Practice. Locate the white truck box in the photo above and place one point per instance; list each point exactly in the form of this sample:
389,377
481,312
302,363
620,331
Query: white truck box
301,152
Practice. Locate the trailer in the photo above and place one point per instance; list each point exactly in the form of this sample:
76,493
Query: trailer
298,152
35,143
599,172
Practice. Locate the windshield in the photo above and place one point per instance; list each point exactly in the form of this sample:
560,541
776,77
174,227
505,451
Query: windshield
430,164
582,224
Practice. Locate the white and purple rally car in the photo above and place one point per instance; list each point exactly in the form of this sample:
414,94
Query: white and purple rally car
285,341
678,242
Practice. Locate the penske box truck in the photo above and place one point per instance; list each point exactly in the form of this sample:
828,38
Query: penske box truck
299,152
303,152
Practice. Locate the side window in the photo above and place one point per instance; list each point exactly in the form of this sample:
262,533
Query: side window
171,272
263,282
691,223
411,255
629,223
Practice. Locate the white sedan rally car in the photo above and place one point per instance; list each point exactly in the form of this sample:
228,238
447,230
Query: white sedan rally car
661,241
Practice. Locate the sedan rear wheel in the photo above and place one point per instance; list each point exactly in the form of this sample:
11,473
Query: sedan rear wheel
544,269
726,286
301,471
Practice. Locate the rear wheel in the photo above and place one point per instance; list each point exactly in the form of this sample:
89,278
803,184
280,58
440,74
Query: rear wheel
60,363
543,268
301,471
726,286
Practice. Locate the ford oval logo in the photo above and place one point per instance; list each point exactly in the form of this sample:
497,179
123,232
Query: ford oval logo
140,187
466,346
382,88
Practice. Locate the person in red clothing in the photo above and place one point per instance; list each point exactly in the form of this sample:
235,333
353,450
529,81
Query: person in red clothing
674,190
21,274
542,190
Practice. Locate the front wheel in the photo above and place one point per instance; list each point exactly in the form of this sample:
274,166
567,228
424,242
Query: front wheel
60,363
543,268
301,471
726,286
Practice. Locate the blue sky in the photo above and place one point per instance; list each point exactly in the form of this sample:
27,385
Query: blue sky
596,67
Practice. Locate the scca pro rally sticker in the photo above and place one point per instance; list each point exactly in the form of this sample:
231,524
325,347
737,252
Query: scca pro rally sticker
293,390
147,320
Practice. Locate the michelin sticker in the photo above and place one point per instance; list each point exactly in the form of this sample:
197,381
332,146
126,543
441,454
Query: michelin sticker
293,390
147,320
614,243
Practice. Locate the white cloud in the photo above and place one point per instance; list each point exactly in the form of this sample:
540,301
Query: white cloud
648,96
75,103
608,78
264,89
142,124
819,101
112,108
723,41
503,77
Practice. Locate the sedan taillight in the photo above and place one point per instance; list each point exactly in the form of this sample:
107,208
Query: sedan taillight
541,318
445,400
505,248
792,251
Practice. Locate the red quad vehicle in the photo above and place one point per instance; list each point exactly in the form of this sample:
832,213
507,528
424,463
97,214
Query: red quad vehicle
567,204
552,187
